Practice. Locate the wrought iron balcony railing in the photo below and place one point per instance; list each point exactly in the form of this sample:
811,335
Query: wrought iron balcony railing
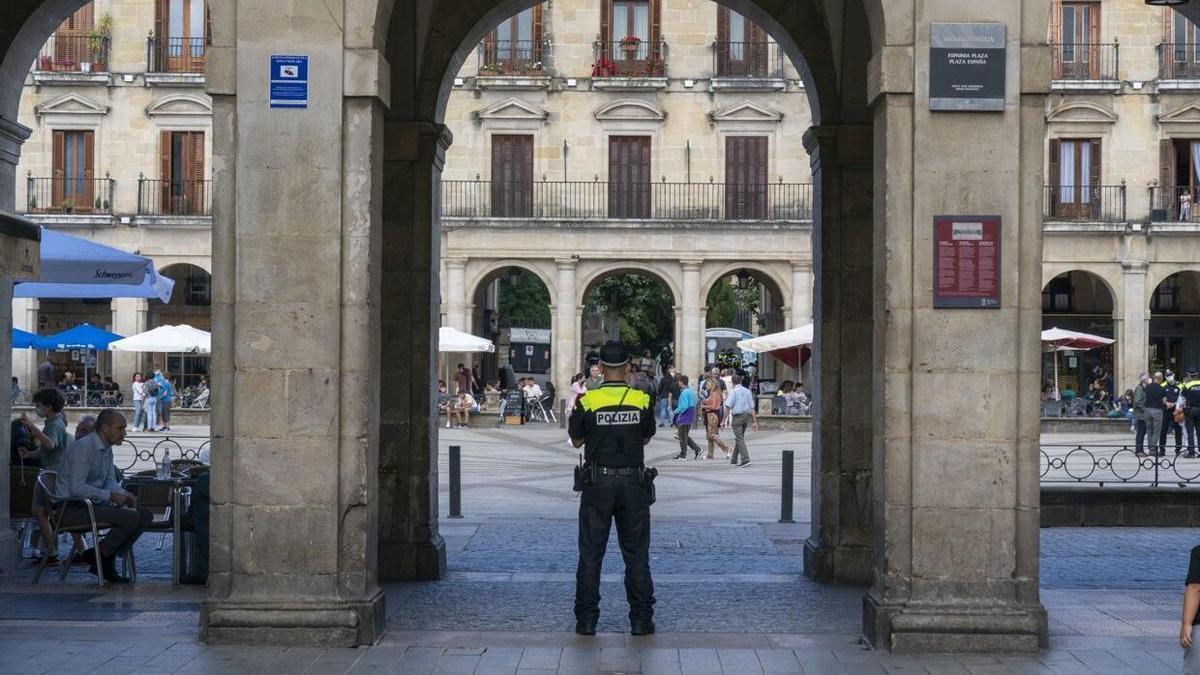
174,197
482,199
747,59
1085,203
175,55
1085,61
73,53
1176,204
69,195
511,57
1179,61
630,58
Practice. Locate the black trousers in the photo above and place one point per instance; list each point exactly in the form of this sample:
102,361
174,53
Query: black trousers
628,501
1167,425
1191,422
126,525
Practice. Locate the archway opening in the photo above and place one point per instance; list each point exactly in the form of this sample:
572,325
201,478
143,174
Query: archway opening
512,308
634,308
190,304
1083,302
1175,323
746,303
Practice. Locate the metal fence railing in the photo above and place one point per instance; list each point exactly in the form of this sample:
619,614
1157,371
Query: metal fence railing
1085,61
1175,204
158,197
69,195
1085,203
73,53
511,57
759,58
630,57
648,201
1117,464
175,55
1179,61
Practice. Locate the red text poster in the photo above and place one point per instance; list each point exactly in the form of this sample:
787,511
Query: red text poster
966,262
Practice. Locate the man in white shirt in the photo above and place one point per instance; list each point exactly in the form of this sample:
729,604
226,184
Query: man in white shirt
741,409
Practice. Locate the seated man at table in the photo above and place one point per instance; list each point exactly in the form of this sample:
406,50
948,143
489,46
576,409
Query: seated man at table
88,472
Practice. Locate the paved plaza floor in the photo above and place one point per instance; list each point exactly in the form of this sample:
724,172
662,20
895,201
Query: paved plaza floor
731,596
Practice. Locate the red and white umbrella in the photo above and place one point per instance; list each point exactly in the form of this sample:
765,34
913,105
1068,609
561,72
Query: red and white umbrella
1059,340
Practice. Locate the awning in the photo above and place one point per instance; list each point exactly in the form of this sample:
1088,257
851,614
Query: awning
83,336
73,267
791,346
181,339
23,339
1059,340
451,340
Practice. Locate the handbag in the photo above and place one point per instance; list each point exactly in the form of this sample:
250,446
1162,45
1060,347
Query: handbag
1178,416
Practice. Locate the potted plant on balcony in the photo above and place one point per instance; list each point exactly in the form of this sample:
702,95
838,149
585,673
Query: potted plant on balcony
67,205
97,40
630,43
491,69
535,68
604,67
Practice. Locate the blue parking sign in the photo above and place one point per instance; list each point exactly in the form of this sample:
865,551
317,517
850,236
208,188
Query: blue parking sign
289,81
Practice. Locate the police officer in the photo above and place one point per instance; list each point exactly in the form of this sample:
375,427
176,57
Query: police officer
1190,398
614,422
1171,392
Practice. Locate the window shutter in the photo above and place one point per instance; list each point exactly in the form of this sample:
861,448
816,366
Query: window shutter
59,170
1166,174
537,32
723,24
656,26
605,26
165,177
1053,179
196,161
89,163
1096,176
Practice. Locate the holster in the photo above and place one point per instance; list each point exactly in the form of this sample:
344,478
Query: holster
648,476
584,475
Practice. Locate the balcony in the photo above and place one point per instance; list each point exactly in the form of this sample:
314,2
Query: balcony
175,61
1085,66
1178,66
175,198
71,201
600,200
630,64
71,58
1174,208
747,66
512,64
1075,208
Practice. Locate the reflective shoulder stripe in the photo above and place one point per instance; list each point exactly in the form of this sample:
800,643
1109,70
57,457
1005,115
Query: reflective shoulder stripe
638,398
612,396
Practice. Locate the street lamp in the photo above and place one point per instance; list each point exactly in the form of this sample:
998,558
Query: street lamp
1167,3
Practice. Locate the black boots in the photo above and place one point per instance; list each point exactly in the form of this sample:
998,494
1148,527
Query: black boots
641,627
585,626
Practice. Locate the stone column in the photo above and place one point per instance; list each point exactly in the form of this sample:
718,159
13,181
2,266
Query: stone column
456,295
689,352
410,547
25,361
567,348
957,493
800,313
1133,330
129,318
295,362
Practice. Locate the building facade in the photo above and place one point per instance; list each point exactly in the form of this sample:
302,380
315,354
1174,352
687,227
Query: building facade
1121,233
659,137
120,152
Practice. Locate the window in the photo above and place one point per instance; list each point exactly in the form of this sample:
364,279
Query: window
72,179
180,35
183,190
1166,296
515,47
630,35
1057,296
1075,177
512,176
70,47
1078,38
629,177
746,177
741,49
199,288
1181,54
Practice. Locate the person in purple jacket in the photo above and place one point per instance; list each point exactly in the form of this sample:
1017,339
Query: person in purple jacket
685,415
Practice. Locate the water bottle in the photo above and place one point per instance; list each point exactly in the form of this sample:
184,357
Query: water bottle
164,467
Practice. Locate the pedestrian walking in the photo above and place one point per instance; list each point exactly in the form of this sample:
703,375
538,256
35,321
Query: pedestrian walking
711,409
139,401
1189,398
166,397
1154,414
595,378
613,424
668,392
685,417
1171,393
741,409
1189,631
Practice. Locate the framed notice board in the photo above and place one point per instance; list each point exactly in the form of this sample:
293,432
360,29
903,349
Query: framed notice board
966,262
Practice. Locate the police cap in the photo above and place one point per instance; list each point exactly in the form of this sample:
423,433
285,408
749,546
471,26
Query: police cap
613,354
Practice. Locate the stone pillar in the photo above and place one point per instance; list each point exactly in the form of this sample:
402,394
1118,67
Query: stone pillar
800,312
410,547
1133,330
129,318
456,295
956,441
689,352
839,548
567,348
295,364
25,361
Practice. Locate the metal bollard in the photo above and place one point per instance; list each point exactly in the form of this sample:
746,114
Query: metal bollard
785,507
455,481
562,413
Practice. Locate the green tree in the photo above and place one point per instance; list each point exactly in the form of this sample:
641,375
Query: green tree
524,302
731,296
641,306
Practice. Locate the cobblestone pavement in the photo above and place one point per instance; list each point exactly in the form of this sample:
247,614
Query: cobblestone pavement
731,594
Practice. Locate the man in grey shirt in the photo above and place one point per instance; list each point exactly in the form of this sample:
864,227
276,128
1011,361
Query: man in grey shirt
88,473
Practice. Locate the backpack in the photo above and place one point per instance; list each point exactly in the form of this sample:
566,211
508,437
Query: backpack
152,387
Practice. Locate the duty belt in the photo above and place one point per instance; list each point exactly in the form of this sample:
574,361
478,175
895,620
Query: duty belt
631,471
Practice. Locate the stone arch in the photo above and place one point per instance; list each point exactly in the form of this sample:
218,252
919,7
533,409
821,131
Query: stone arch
1052,270
781,285
659,272
494,268
1157,274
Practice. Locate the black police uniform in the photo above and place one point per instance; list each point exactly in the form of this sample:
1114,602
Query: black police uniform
1171,393
1190,394
615,421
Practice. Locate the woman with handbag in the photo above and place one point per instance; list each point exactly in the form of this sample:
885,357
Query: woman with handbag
711,407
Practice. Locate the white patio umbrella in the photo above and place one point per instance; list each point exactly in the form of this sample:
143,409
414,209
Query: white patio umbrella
1058,340
787,346
454,341
182,339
